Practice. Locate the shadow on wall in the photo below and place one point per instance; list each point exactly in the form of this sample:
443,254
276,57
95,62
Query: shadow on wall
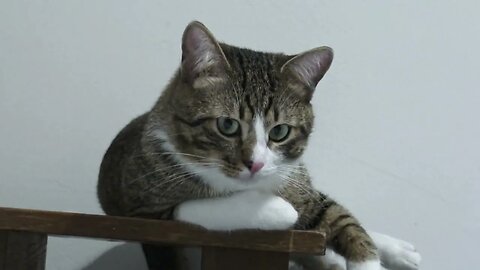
123,257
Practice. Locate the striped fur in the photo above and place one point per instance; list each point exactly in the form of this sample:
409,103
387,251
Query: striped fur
156,162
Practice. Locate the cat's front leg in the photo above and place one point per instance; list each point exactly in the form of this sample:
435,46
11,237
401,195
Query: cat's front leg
395,254
344,234
348,238
243,210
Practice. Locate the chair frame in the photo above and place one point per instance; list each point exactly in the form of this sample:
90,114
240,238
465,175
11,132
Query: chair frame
24,236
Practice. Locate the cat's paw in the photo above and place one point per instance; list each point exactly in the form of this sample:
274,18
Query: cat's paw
366,265
396,254
401,256
243,210
270,212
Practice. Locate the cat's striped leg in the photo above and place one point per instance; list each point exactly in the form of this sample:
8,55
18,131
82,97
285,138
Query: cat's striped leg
345,235
348,238
395,254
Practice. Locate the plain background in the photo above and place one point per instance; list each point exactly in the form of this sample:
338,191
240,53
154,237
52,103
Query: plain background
397,135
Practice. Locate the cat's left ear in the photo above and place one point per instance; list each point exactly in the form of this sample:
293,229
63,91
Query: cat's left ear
308,68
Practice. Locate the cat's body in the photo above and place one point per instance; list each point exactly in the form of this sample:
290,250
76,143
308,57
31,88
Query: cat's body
221,148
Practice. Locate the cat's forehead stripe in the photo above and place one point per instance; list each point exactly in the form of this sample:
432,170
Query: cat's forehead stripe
255,75
259,126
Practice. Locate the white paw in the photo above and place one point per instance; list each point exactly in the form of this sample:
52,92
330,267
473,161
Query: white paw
243,210
274,213
396,254
366,265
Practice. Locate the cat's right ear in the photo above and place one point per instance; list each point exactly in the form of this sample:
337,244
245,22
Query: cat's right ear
203,61
308,68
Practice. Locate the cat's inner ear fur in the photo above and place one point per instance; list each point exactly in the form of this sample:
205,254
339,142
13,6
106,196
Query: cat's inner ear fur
203,61
308,68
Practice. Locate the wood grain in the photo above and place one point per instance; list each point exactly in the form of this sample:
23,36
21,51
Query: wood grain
22,250
157,231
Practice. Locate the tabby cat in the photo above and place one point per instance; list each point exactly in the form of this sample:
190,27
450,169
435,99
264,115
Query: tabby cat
222,148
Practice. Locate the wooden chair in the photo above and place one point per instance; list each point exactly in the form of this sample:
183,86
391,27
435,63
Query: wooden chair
24,233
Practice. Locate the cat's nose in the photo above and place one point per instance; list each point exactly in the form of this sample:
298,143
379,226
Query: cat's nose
254,166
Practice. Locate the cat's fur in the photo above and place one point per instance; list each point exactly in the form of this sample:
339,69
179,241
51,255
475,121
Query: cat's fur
173,163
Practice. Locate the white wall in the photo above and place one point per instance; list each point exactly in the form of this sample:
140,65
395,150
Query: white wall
397,132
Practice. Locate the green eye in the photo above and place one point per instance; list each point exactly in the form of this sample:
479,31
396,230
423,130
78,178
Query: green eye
279,133
227,126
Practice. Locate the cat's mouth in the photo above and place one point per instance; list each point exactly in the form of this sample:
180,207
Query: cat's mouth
247,177
227,177
243,175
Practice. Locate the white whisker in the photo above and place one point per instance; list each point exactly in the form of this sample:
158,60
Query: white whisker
172,167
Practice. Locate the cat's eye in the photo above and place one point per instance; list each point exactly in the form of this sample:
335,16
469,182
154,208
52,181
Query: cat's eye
279,133
228,126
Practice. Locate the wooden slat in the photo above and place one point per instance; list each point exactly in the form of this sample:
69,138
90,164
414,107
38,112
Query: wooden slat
237,259
22,250
157,231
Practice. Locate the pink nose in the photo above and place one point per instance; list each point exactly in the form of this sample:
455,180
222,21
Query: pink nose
254,167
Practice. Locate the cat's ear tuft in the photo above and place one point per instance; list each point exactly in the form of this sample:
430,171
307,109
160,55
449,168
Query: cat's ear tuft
309,67
203,60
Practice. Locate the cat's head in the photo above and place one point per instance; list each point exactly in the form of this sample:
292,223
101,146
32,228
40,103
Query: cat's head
239,118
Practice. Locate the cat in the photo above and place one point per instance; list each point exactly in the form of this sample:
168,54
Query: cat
222,148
